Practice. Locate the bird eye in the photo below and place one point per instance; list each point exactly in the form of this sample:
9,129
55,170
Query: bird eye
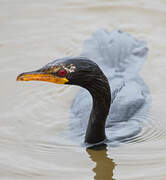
62,72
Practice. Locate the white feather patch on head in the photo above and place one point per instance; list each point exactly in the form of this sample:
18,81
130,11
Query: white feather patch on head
70,69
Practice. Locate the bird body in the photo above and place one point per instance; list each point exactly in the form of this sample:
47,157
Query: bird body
121,57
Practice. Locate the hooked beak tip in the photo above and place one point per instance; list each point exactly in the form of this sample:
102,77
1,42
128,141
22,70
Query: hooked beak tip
26,76
20,77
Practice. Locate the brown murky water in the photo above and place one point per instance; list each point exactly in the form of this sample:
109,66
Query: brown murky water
34,116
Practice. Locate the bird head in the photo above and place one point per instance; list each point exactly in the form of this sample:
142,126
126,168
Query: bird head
87,74
71,70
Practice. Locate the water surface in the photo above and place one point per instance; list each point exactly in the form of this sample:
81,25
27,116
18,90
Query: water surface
34,142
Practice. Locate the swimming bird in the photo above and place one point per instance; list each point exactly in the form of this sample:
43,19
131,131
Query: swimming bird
108,69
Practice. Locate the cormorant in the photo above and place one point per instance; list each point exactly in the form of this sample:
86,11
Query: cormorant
120,57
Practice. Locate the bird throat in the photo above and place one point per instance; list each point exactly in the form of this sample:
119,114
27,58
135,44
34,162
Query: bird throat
101,94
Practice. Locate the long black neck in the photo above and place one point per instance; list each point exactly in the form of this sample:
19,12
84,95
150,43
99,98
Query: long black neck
100,91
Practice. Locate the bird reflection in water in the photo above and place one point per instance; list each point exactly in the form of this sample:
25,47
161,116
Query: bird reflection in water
104,165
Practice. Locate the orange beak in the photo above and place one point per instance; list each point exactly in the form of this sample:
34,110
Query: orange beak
41,76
